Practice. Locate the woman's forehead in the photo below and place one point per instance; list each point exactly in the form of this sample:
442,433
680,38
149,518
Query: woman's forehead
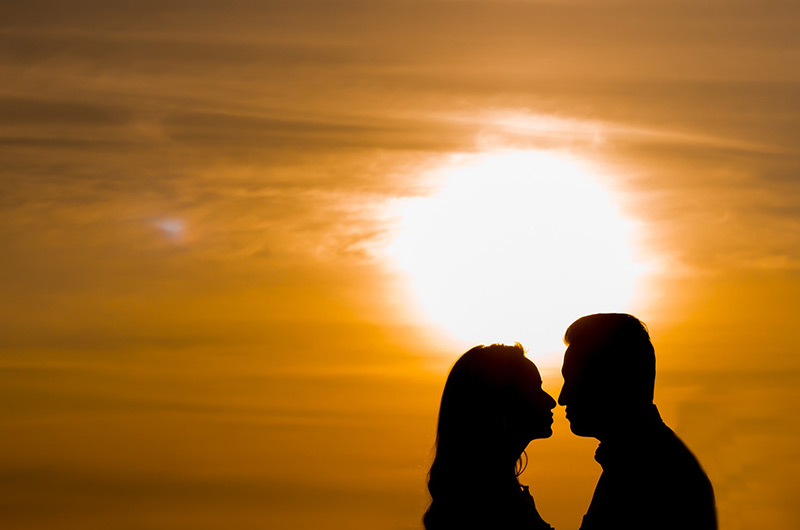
530,372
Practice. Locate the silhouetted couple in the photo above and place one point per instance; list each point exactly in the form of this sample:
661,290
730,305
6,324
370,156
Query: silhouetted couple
493,405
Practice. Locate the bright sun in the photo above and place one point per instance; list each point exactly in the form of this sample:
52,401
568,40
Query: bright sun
513,247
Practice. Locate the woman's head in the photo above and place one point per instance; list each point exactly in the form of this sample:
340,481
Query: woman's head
492,406
493,396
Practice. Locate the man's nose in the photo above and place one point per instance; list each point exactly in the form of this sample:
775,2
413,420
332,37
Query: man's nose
562,396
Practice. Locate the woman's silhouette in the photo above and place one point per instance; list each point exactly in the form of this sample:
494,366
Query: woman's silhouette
492,406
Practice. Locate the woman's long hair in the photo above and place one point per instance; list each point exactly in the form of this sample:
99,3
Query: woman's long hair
472,462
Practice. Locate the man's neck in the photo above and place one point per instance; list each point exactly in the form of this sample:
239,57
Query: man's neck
631,423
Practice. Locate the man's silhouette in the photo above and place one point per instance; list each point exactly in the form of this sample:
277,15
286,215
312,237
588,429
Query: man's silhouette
650,480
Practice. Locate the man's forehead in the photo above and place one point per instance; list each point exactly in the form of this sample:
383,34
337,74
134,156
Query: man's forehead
573,354
576,359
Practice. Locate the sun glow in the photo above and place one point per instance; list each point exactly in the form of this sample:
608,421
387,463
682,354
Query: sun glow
513,247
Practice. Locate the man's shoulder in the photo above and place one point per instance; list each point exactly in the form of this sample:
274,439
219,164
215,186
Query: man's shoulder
670,451
658,484
656,461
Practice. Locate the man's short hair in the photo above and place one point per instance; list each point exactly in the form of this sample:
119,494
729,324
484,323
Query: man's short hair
617,347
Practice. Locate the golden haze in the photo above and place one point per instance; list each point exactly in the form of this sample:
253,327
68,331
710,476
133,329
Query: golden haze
199,328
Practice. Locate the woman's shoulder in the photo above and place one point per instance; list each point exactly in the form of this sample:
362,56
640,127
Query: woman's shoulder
486,509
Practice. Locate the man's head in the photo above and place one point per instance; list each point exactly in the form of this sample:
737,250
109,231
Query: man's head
609,372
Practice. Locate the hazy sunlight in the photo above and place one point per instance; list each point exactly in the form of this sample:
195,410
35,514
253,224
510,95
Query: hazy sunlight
513,247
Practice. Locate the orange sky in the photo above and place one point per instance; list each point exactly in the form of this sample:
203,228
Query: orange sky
199,328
